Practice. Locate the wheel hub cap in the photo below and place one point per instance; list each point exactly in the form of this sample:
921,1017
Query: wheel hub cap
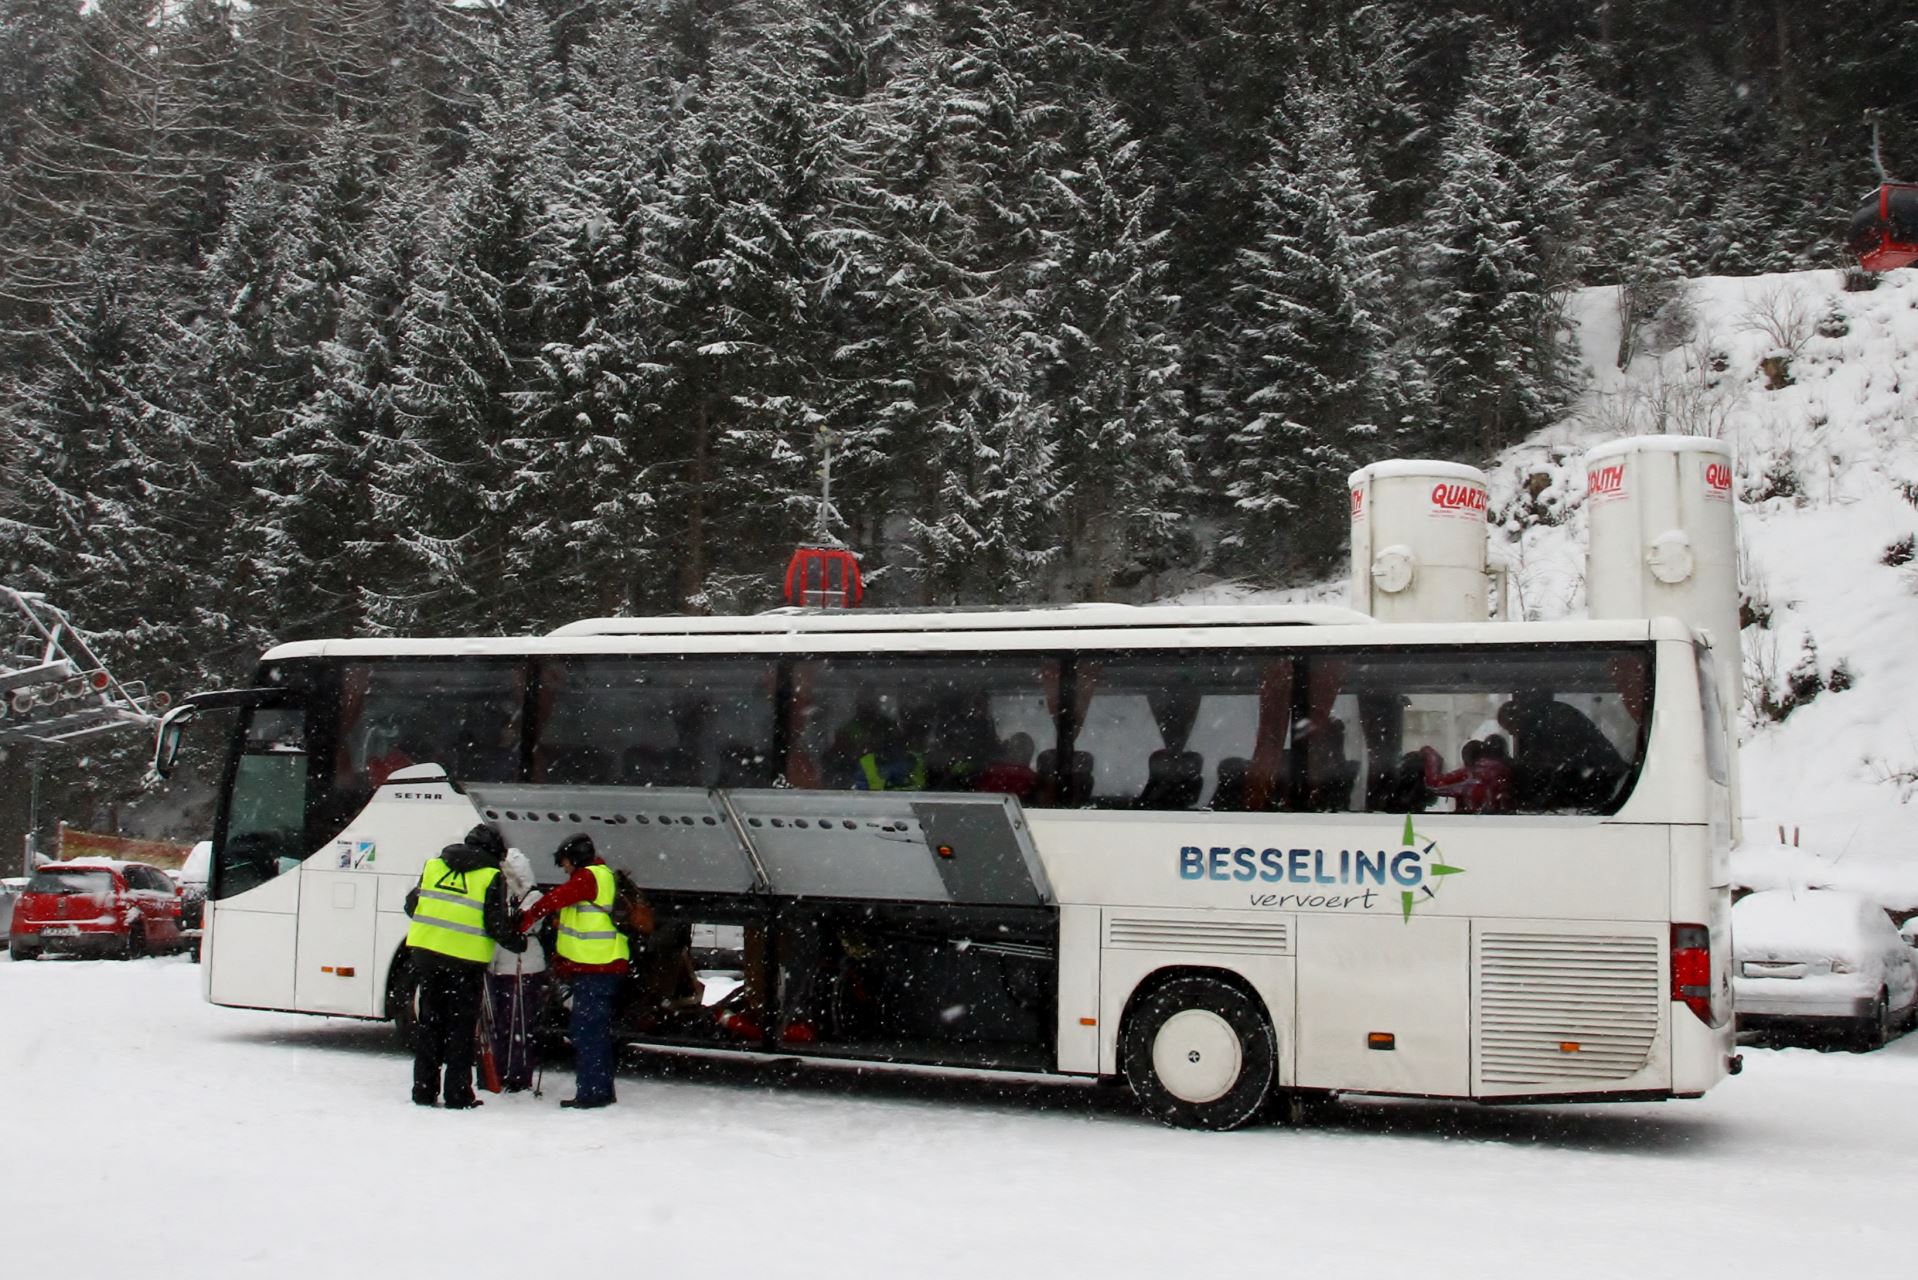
1197,1055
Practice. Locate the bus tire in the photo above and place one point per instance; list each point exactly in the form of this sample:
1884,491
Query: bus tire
1200,1053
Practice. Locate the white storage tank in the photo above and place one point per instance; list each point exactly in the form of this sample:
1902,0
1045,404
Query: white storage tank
1661,539
1418,541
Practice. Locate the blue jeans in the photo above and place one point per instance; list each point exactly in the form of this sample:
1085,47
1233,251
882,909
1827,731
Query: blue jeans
591,1030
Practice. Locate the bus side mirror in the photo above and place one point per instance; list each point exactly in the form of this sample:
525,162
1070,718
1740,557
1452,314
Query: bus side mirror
166,744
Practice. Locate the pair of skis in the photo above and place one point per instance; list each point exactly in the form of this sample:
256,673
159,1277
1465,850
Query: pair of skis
490,1078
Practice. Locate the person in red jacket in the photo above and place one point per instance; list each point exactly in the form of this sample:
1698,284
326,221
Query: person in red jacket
1484,784
592,957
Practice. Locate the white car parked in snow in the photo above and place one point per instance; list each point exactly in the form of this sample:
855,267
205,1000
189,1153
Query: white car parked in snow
10,889
1821,957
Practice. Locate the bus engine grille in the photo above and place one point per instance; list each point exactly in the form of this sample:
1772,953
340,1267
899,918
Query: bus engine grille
1139,933
1556,1007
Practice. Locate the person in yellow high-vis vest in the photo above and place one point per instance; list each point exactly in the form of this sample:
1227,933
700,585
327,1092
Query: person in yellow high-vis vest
592,956
460,917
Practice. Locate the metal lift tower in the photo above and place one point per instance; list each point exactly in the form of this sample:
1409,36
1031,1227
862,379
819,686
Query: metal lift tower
54,689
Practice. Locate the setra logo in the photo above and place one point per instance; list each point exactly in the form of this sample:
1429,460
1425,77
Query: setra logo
1718,480
1607,481
1464,498
1358,504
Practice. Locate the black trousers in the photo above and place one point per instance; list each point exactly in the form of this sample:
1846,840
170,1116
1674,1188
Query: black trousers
448,1031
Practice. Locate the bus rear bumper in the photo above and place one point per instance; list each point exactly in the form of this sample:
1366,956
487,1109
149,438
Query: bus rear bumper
1701,1055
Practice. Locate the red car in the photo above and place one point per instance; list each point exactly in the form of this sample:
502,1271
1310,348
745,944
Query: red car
96,906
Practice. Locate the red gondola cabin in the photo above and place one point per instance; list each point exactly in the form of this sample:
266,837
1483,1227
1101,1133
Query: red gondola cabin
1884,231
824,578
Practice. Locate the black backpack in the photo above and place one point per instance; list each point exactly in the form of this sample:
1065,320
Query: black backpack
632,914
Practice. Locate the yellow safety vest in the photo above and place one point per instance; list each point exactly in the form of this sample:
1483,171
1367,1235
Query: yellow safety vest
587,934
450,917
875,774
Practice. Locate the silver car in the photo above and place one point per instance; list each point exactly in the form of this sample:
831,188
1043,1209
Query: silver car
1821,959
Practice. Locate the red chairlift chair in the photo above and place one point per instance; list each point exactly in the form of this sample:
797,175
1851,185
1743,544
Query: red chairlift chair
824,578
1884,230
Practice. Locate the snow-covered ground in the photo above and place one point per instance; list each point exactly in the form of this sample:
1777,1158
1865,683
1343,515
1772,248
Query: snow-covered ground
148,1133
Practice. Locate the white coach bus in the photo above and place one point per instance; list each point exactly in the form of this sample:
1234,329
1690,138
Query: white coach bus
1235,857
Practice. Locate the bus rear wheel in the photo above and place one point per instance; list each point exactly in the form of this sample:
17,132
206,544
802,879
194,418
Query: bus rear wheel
1199,1053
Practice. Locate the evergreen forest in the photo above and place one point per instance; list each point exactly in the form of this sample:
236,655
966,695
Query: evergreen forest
399,316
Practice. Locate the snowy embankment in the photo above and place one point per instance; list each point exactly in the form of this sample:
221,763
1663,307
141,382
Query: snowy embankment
214,1141
1816,391
1827,467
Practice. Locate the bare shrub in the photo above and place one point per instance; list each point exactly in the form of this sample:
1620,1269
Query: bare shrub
1900,552
1779,314
1653,315
1859,280
1772,690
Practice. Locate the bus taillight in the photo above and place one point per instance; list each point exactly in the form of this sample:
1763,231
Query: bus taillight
1692,969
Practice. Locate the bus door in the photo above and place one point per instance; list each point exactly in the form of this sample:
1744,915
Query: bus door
253,905
338,906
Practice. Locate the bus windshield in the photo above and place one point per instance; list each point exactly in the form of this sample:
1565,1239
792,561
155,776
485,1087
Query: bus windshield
265,818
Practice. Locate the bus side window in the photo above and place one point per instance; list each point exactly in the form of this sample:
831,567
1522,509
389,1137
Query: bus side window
934,723
1183,731
1485,731
648,722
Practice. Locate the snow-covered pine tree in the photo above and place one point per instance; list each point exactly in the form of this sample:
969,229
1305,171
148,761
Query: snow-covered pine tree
986,536
308,472
235,376
96,510
77,178
1110,369
582,514
1306,382
972,123
471,335
207,105
1493,351
721,331
353,410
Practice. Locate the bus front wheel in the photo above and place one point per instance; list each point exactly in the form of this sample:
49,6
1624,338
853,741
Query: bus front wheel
1199,1053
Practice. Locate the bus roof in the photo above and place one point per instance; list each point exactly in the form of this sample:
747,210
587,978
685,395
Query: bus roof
997,631
1075,617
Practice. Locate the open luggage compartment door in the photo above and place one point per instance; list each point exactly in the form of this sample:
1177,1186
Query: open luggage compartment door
972,850
667,838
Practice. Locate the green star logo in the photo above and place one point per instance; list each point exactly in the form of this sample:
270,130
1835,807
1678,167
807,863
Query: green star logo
1436,868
